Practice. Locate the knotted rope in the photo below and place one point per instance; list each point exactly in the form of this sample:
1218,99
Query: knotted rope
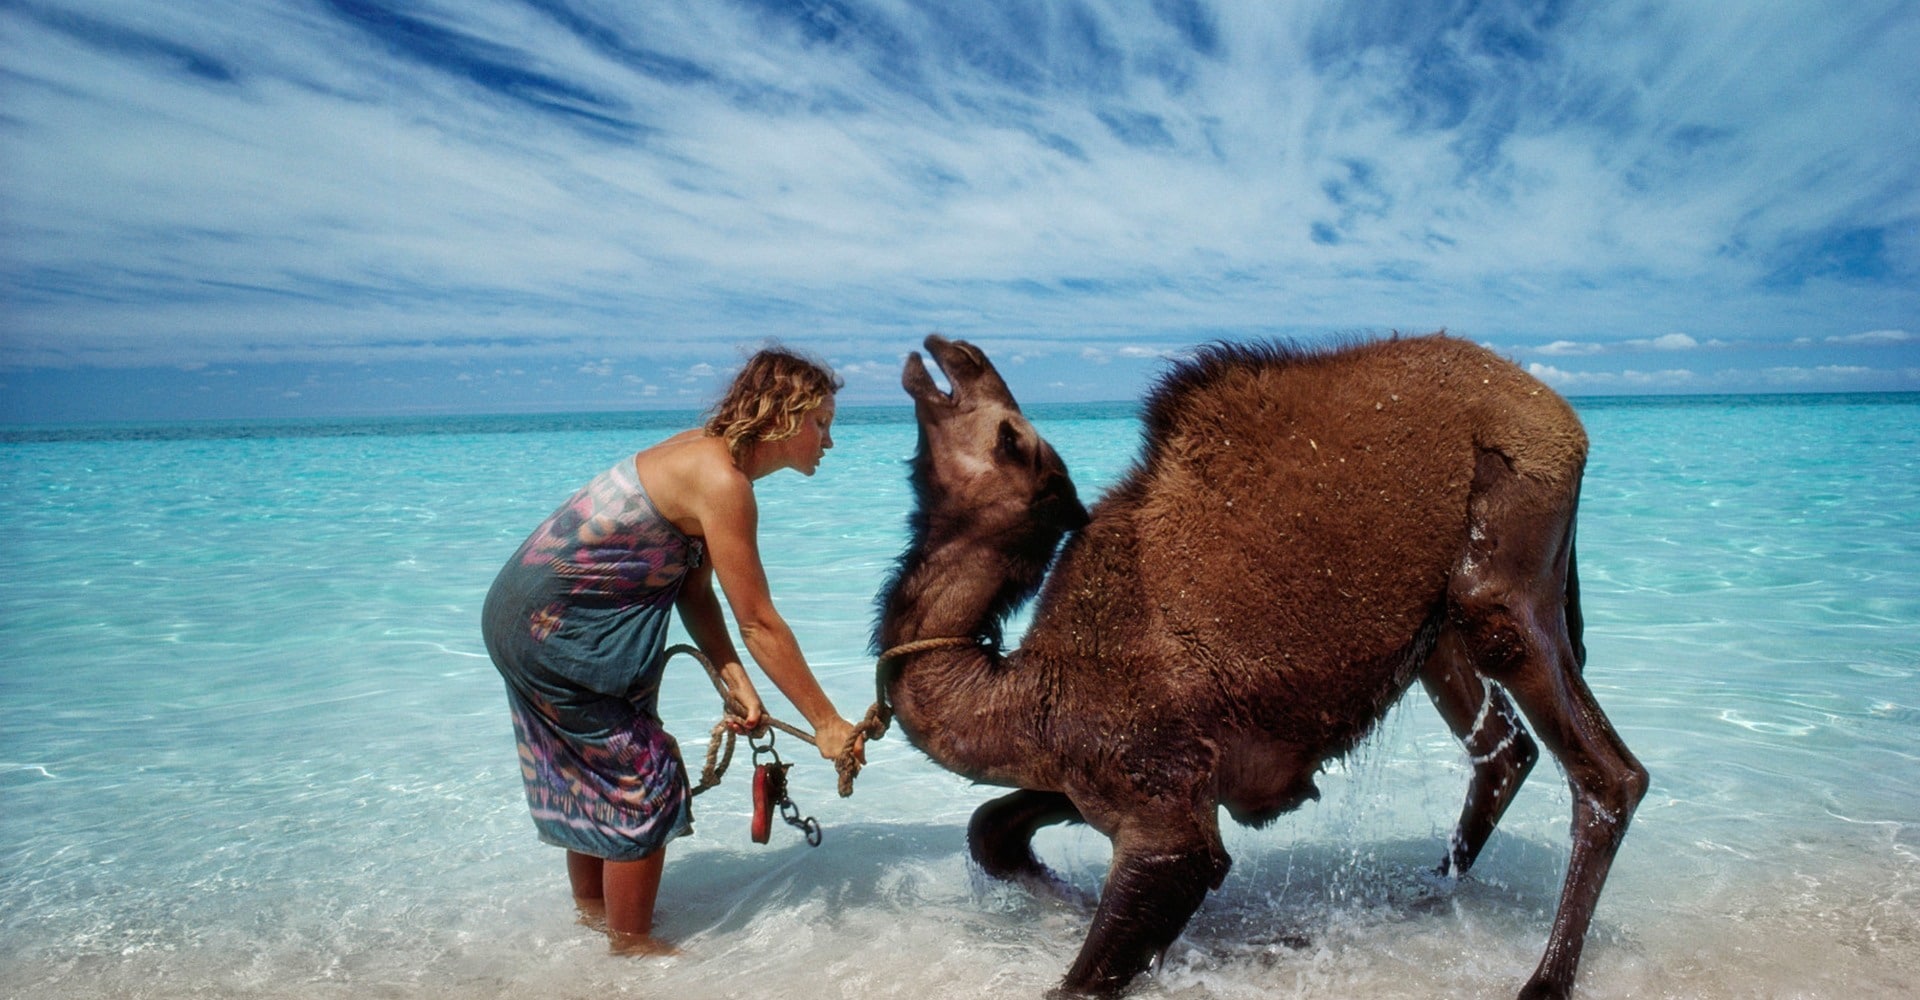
873,725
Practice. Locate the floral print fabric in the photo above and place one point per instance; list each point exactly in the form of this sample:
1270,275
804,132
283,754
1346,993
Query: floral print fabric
576,623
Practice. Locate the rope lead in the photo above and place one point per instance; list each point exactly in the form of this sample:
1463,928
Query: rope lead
721,740
873,725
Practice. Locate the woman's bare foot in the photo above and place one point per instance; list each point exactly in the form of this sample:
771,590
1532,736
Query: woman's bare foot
639,944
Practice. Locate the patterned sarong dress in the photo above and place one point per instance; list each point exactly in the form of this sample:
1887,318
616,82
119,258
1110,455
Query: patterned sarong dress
577,623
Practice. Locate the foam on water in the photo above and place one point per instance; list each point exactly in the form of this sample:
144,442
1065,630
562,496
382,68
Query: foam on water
254,748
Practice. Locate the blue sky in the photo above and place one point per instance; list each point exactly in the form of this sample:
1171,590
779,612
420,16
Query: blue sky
320,207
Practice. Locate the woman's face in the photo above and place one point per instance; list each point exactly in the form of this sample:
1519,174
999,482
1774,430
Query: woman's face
805,449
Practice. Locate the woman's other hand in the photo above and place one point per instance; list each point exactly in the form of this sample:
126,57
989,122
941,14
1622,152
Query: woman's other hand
838,738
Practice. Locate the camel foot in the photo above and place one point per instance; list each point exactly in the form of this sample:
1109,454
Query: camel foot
1538,989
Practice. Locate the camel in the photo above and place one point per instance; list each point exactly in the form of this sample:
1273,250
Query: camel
1306,533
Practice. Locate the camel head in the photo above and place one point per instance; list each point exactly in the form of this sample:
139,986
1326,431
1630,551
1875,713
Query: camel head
981,467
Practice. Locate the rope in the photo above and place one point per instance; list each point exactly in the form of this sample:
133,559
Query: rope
716,766
922,645
873,725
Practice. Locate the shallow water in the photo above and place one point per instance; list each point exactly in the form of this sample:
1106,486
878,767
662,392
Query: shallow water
254,747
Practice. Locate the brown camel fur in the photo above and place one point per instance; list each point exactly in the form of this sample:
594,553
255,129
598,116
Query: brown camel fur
1306,534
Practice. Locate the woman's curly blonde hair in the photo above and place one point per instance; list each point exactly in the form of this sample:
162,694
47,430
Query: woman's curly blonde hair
774,389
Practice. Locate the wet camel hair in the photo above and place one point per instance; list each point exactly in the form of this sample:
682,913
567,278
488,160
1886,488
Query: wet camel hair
1306,534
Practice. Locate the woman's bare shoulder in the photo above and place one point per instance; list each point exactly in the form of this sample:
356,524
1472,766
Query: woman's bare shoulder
688,472
686,450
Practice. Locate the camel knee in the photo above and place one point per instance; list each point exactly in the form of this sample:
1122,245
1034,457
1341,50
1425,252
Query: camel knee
1492,635
1000,834
1496,741
1001,856
1520,754
1633,791
1613,797
1504,630
1610,775
1500,769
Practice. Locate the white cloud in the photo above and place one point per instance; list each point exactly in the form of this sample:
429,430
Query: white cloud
1875,337
1816,375
1672,378
950,167
869,371
1628,380
1568,348
1667,342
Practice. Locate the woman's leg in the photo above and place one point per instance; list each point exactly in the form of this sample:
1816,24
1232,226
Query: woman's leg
630,889
585,874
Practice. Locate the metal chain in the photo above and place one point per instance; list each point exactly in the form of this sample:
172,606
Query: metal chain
788,811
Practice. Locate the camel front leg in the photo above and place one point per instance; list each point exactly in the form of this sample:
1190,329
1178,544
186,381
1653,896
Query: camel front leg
1152,890
1000,837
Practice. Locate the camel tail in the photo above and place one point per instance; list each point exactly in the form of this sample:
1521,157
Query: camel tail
1576,619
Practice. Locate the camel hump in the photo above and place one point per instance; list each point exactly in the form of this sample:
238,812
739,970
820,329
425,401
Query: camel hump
1433,391
1509,410
1321,474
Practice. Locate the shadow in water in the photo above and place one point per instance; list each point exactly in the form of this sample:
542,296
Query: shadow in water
1287,896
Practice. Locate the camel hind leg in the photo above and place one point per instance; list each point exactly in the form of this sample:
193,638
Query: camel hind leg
1483,720
1508,604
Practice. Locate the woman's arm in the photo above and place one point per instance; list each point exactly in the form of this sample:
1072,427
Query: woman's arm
700,613
730,520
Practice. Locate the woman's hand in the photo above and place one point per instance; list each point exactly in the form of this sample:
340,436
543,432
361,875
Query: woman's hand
839,737
745,713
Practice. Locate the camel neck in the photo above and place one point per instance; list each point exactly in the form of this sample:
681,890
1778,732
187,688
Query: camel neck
957,589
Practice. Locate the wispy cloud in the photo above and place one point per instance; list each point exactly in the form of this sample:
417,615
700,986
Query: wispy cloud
1664,342
1878,337
583,187
1625,380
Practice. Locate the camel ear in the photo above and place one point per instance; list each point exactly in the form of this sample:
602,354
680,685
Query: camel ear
1059,503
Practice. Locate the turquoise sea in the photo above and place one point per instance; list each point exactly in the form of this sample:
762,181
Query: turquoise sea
253,748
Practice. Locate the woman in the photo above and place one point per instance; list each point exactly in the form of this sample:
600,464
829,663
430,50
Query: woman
577,623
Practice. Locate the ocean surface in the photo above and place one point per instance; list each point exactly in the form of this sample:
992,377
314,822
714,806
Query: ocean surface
253,747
